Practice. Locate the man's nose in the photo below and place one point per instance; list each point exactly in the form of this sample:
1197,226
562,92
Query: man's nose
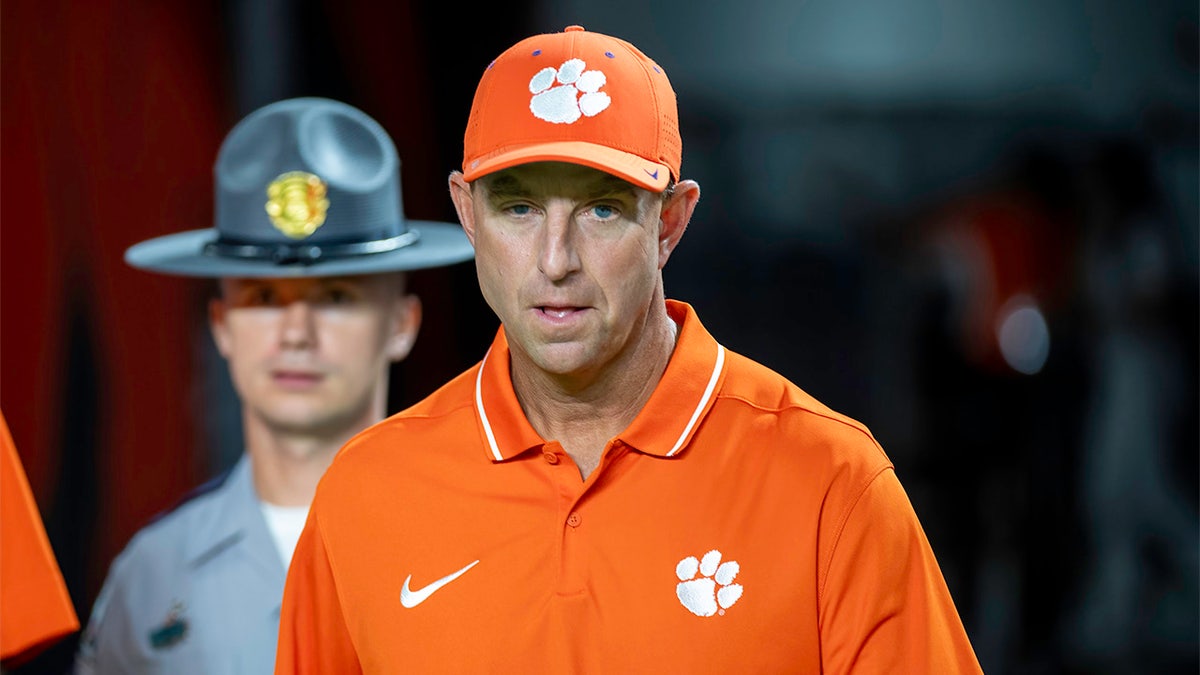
557,254
298,330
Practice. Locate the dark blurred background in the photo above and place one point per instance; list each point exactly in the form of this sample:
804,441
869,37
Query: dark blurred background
971,225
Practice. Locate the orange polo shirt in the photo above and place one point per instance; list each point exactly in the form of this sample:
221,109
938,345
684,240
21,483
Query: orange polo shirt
736,526
35,608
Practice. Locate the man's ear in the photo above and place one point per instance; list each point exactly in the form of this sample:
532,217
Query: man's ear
460,194
406,324
218,326
676,214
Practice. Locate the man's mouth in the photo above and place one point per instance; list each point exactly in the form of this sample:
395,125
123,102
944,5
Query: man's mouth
296,378
558,312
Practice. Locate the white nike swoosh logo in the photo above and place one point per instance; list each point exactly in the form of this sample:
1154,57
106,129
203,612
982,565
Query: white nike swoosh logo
410,598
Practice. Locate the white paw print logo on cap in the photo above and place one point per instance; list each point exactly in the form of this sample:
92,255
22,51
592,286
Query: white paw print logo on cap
561,95
713,591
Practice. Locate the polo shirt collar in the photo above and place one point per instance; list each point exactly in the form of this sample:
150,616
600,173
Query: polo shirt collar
665,424
686,391
235,520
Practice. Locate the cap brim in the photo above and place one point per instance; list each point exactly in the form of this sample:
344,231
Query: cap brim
438,245
641,172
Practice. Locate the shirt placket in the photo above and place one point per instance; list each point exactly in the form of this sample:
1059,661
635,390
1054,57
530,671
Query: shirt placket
573,526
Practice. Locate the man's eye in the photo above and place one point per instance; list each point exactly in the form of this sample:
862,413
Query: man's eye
604,211
336,296
259,297
520,209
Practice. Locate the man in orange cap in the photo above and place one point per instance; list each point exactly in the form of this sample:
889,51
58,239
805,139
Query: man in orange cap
609,490
311,249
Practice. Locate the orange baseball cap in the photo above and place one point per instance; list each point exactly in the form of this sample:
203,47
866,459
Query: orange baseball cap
580,97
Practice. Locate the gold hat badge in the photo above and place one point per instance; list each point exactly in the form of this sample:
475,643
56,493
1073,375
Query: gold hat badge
296,203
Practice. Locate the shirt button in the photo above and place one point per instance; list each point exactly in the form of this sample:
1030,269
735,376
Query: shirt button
573,520
551,458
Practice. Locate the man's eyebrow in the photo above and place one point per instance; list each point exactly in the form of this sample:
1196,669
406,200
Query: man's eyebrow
242,282
505,186
609,184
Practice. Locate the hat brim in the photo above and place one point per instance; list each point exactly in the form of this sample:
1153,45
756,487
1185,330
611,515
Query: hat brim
641,172
438,245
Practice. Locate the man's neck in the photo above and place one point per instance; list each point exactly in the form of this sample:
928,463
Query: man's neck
287,467
584,414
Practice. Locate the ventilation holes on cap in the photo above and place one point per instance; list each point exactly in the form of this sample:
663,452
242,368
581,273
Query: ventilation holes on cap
537,52
610,55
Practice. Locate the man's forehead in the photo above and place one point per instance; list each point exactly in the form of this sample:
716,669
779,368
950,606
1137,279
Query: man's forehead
313,281
280,281
555,176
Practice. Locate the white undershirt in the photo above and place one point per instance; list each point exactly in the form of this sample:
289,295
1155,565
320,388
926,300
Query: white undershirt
285,523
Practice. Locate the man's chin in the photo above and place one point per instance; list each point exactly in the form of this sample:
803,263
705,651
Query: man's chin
565,360
311,422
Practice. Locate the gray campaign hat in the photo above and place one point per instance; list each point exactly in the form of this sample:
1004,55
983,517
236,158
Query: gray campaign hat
305,187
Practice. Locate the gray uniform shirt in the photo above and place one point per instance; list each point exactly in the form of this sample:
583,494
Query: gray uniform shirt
197,591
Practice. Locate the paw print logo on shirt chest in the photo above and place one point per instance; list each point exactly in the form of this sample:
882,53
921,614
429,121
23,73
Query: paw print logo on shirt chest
706,586
562,95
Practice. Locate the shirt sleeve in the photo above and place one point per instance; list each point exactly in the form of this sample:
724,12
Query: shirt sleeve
313,635
35,608
885,607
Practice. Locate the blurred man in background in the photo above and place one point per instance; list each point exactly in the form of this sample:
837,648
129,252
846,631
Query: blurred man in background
310,248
